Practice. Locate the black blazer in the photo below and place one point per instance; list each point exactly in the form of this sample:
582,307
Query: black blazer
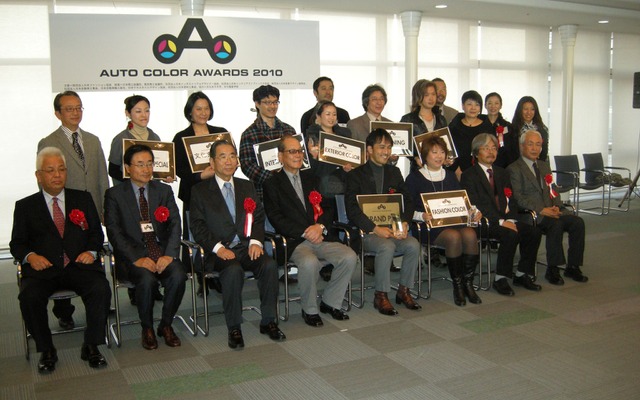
122,219
285,210
361,181
476,183
35,231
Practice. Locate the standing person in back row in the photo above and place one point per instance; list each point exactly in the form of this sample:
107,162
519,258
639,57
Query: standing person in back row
86,168
441,91
323,90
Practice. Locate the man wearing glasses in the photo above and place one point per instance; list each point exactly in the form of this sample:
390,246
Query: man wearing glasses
266,127
86,168
144,228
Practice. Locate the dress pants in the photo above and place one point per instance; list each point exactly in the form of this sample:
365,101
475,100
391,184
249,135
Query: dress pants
553,228
265,270
173,280
529,239
91,285
307,256
385,250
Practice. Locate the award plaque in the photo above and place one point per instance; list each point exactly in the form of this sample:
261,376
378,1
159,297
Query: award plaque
447,208
267,154
164,157
445,135
198,147
382,209
340,150
402,134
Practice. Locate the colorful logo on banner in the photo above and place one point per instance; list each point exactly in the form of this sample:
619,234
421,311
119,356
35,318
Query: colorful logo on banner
167,48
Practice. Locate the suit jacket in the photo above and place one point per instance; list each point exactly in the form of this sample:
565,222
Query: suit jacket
211,221
285,210
360,127
122,219
93,178
35,231
526,190
361,181
449,113
475,182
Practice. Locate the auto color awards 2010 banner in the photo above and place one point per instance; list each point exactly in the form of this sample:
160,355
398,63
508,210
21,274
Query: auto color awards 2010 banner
131,52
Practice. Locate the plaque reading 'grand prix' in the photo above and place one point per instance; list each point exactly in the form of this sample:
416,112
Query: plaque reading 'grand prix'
340,150
401,133
380,207
447,208
164,157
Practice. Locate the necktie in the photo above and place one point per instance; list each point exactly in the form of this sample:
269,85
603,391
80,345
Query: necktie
493,186
536,170
230,199
77,148
298,188
154,250
58,219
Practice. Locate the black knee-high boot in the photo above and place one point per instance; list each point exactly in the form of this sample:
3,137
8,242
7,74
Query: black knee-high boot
455,270
470,263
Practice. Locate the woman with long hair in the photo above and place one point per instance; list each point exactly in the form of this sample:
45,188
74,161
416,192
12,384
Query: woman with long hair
527,118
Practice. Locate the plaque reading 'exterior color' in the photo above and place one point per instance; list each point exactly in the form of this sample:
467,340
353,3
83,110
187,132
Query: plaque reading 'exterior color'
340,150
198,149
401,133
267,154
447,208
379,207
164,157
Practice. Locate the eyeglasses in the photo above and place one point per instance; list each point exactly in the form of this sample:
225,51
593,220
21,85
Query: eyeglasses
294,151
143,165
51,171
270,103
72,109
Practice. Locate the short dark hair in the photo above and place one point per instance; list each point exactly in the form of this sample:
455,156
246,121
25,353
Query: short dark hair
472,95
56,100
131,102
265,91
369,91
317,82
429,143
492,94
218,143
191,102
378,136
438,80
281,142
133,150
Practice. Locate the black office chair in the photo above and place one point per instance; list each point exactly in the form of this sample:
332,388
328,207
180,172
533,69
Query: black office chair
594,165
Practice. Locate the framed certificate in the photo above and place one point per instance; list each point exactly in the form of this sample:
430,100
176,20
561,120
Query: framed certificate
164,157
380,207
340,150
445,134
267,154
447,208
198,147
402,134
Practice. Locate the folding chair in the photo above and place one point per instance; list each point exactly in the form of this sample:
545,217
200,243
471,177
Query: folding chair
594,167
568,165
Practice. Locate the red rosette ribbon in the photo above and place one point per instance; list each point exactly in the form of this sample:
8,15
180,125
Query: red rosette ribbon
161,214
500,134
315,198
549,181
507,193
77,217
392,190
249,207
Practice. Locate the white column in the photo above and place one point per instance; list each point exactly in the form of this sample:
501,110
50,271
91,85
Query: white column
192,7
411,21
568,34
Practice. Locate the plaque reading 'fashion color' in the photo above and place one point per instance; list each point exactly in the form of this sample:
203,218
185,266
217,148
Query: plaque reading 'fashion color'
340,150
267,154
198,149
164,157
401,133
447,208
380,207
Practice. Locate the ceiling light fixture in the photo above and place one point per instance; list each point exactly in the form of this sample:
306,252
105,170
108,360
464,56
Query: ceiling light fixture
603,21
441,6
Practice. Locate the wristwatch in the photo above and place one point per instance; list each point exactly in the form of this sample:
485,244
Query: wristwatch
324,230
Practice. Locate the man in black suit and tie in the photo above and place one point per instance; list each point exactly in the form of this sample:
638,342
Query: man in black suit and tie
143,225
57,236
378,177
532,184
292,203
221,213
489,188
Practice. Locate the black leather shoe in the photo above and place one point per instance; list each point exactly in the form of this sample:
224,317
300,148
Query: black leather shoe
575,274
47,363
149,340
235,339
336,313
526,282
502,286
312,319
553,276
66,323
170,338
273,331
91,354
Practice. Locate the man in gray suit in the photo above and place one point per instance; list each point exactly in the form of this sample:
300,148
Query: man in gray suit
220,223
86,168
532,185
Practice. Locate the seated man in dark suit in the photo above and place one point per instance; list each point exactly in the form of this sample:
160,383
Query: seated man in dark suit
533,193
143,225
220,208
292,203
489,188
57,235
378,177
